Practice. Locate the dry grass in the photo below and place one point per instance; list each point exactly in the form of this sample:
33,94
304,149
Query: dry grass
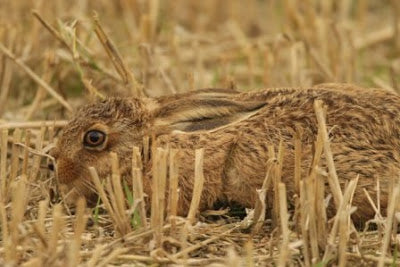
55,55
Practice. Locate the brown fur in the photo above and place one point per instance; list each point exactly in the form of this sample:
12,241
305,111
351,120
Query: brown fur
235,131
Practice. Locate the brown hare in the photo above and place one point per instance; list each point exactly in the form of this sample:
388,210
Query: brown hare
235,129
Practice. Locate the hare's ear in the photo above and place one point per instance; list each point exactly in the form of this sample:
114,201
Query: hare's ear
191,115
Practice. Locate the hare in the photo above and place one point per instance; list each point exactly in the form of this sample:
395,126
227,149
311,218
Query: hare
235,130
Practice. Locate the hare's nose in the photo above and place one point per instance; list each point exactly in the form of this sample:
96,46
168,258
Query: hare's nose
50,166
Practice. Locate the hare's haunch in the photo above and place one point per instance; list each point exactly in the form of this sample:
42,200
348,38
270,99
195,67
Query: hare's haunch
235,129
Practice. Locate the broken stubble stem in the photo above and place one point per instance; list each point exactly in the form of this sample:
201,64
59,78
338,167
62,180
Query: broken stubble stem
57,229
112,52
102,193
3,164
198,184
26,152
137,185
284,251
332,177
173,188
15,154
35,77
37,159
33,124
159,173
346,200
389,223
79,228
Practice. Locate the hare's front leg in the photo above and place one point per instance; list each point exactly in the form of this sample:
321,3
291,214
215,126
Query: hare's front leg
216,151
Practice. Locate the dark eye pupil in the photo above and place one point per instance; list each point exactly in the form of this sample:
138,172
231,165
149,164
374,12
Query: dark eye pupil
94,137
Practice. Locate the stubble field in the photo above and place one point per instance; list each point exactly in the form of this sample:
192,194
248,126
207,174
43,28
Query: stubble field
57,55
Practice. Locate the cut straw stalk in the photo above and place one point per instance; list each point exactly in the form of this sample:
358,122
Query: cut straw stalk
26,152
3,165
198,184
159,173
39,226
37,159
57,229
19,195
137,185
297,161
116,186
116,194
261,205
310,190
15,151
5,82
332,177
284,250
33,124
173,188
304,208
344,217
389,223
105,199
194,205
119,65
35,77
198,245
346,201
79,227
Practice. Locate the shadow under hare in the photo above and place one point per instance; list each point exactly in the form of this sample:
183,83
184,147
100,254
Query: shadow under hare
235,130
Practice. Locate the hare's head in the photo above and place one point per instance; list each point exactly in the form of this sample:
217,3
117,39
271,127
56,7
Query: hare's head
115,124
119,124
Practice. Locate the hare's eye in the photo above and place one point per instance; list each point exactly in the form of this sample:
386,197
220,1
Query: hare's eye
94,138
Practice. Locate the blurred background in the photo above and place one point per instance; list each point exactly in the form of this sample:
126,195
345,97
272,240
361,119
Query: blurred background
175,46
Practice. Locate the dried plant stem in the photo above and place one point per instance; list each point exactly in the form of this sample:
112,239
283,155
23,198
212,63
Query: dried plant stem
389,223
310,190
374,38
344,217
297,161
159,172
18,204
304,207
113,255
137,185
26,152
332,178
35,77
349,191
57,228
40,93
371,202
146,150
3,164
284,250
33,124
103,195
261,205
203,243
126,75
40,224
15,151
79,227
198,185
37,159
4,225
5,82
173,188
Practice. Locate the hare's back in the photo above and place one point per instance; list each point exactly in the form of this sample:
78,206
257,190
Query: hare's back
368,114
